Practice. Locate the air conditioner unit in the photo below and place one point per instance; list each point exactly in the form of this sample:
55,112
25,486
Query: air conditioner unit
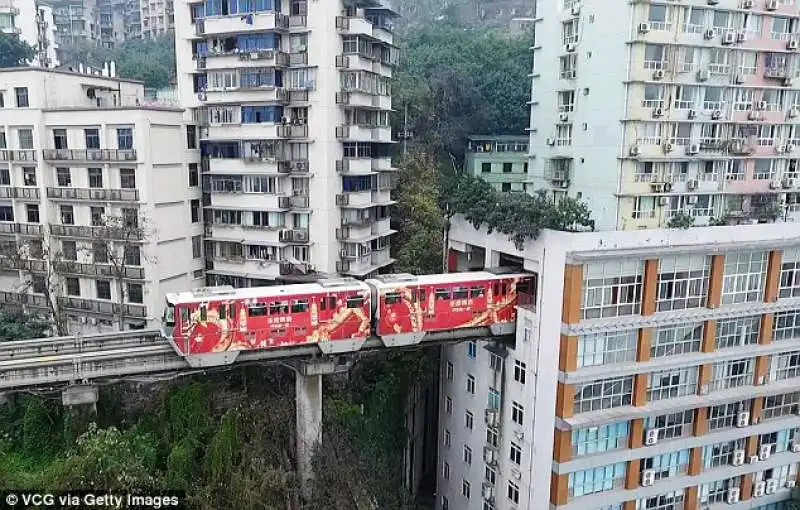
754,459
716,115
692,200
780,149
743,419
657,187
789,147
764,451
729,38
492,417
516,473
692,114
658,112
738,457
550,141
576,10
794,112
791,44
658,74
772,486
563,117
771,5
692,184
651,435
754,115
747,4
758,489
569,47
692,149
733,495
663,201
519,435
82,319
93,321
787,82
668,147
796,447
634,151
709,33
648,477
644,28
489,455
488,492
703,75
739,78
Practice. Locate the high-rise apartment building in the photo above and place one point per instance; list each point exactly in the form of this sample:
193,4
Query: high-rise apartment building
157,17
99,198
292,100
33,22
657,109
652,370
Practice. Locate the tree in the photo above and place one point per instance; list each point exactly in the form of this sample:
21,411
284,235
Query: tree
681,220
20,324
14,51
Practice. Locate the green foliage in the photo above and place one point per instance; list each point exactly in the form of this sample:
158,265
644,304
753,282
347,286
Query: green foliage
681,220
181,464
720,221
769,211
38,423
222,450
14,51
18,325
519,215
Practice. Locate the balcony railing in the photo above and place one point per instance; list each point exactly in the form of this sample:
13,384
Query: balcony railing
8,192
298,21
110,195
293,131
21,298
299,201
89,155
104,307
293,236
298,59
17,155
28,229
85,232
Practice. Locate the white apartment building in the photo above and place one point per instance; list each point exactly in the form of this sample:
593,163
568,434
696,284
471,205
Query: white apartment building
653,369
292,100
157,17
98,192
650,110
34,23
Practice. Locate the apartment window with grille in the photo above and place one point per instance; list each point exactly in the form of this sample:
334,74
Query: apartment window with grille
519,371
513,492
489,474
612,288
21,94
132,255
781,474
671,383
668,464
777,406
492,437
465,488
721,454
32,213
467,455
515,453
683,282
587,441
448,405
449,371
569,32
603,394
726,415
127,178
717,492
469,419
566,101
63,177
568,65
787,325
25,138
470,384
789,285
779,441
607,348
564,135
517,413
743,279
194,207
599,479
97,214
671,341
99,252
73,286
135,292
494,399
69,250
673,425
738,332
103,289
472,349
732,374
92,138
785,366
67,215
668,501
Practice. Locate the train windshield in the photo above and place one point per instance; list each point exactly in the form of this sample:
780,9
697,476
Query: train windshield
169,314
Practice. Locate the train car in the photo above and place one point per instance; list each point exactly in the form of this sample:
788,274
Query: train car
406,307
210,326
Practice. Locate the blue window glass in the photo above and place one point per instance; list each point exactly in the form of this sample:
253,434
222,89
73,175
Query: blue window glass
221,150
261,114
254,78
356,183
591,440
125,138
494,399
202,49
593,480
472,350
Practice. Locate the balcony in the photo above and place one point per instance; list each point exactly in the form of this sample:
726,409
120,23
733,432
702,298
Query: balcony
380,257
104,194
299,201
298,21
295,131
298,96
84,232
17,155
365,133
239,24
293,236
104,270
298,59
29,193
104,307
244,59
89,155
359,221
20,298
26,229
354,166
294,167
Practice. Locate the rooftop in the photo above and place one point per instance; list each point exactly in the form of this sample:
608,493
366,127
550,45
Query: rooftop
67,72
500,138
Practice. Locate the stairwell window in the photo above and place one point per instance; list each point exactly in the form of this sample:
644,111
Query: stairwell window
568,65
515,453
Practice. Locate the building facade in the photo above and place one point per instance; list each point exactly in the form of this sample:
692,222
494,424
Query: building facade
655,370
33,22
292,101
99,198
657,110
157,17
501,161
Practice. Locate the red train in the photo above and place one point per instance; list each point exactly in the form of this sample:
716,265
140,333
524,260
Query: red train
209,326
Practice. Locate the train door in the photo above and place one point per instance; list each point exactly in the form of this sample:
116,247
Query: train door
442,299
326,306
396,316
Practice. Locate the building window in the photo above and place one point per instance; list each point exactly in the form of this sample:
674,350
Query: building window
726,415
197,274
599,479
63,177
790,274
683,282
721,454
467,455
191,137
194,206
495,362
507,167
469,419
448,405
5,177
60,139
785,366
517,413
125,139
95,177
591,440
779,441
446,471
132,255
445,503
92,138
603,394
472,349
494,399
513,492
743,280
519,371
607,348
465,488
780,405
69,250
197,247
194,175
505,187
668,501
6,213
486,168
732,374
471,384
673,425
32,212
672,341
717,492
449,371
738,332
668,465
787,325
127,178
21,93
492,437
99,252
515,453
135,293
29,176
67,215
447,438
489,474
73,286
672,383
25,136
612,288
103,289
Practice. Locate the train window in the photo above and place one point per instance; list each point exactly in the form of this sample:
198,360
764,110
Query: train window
331,302
299,305
355,301
184,315
203,313
523,286
169,315
442,294
475,292
391,298
257,310
460,293
232,311
223,312
496,288
322,303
